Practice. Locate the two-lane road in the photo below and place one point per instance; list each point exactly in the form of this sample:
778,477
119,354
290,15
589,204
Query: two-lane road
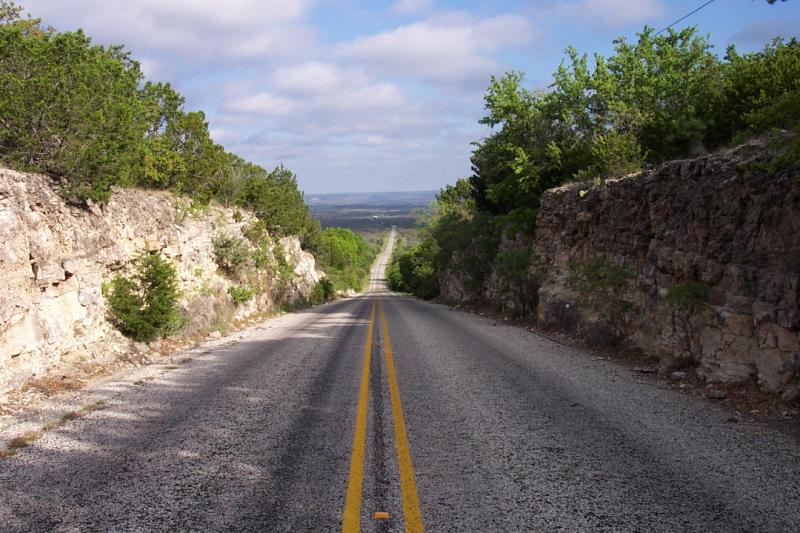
382,403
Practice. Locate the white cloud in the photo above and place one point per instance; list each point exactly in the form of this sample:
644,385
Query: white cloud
317,91
411,7
191,29
316,77
343,117
450,49
374,140
260,104
612,13
375,96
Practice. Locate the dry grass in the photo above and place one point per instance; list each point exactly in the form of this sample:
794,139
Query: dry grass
74,415
54,385
7,453
96,406
26,439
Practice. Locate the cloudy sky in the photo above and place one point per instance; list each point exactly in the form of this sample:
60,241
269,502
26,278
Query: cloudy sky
375,95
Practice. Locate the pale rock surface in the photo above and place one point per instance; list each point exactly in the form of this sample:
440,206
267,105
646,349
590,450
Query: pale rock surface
56,256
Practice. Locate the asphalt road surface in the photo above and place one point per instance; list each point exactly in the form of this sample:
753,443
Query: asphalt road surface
446,421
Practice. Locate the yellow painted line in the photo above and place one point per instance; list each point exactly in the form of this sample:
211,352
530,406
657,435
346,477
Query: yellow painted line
411,512
351,518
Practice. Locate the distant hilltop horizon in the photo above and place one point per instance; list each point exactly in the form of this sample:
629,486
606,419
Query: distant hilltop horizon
371,193
391,197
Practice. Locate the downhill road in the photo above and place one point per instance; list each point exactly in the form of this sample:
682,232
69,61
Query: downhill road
382,403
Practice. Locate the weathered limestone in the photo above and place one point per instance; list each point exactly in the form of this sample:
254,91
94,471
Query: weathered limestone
718,219
55,258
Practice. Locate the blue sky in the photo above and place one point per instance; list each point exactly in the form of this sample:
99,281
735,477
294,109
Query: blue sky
375,95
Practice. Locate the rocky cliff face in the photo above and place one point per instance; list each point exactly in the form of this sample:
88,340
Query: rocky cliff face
719,220
55,258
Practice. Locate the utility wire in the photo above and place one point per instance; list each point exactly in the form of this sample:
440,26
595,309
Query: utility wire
684,17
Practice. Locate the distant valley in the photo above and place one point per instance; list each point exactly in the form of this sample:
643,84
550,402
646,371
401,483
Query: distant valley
369,211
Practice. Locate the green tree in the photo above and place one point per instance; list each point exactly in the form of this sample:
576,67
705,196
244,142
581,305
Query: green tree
145,305
276,199
602,287
68,109
345,257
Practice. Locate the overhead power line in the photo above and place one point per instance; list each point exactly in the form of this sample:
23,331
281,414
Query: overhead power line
684,17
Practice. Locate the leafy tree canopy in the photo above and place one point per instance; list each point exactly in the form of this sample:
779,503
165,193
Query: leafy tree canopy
85,115
662,97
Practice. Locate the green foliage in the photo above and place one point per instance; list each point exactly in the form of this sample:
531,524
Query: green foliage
69,109
230,254
519,274
322,292
602,287
662,97
763,93
688,297
345,257
413,270
262,256
240,295
276,200
145,305
285,270
83,114
454,238
688,300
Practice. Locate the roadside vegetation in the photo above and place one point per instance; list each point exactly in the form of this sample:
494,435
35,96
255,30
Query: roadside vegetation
662,97
144,305
346,258
84,115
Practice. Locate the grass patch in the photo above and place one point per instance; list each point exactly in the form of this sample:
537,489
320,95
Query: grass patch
26,439
54,385
68,417
7,453
74,415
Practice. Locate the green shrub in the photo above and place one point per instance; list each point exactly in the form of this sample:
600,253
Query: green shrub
144,306
230,254
240,295
256,232
345,257
518,269
67,109
601,287
263,257
413,270
83,114
688,297
688,301
323,291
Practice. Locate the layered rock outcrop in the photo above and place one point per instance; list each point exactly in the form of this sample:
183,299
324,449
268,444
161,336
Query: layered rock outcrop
720,220
55,258
724,221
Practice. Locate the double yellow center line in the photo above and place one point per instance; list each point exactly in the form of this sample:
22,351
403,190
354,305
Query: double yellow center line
351,519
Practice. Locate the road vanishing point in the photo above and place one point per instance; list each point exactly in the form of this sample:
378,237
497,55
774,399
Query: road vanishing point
385,413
